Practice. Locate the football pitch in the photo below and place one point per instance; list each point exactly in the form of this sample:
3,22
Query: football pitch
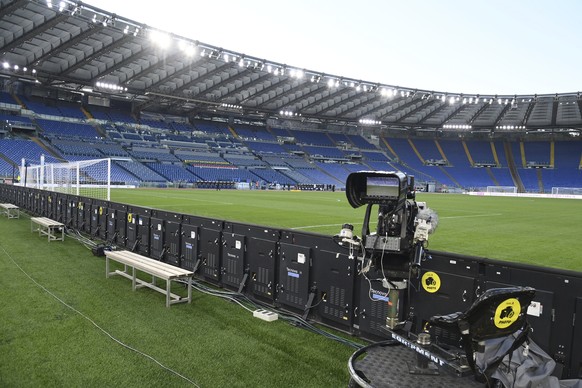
540,231
61,318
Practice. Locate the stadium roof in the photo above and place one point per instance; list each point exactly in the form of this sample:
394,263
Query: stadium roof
76,47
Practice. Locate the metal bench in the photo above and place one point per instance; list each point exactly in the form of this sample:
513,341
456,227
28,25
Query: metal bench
152,267
10,210
48,227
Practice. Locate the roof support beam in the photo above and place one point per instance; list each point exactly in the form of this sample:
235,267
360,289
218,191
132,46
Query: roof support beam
97,54
35,31
9,8
250,84
381,106
303,96
370,98
93,28
430,114
415,110
332,95
266,90
339,103
162,62
218,69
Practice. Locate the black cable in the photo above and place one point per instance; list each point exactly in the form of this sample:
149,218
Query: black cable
291,318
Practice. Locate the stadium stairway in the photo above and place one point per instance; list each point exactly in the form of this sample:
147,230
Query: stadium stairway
467,153
494,151
233,132
441,151
513,168
492,176
18,100
87,113
47,148
522,153
540,180
392,149
416,150
450,176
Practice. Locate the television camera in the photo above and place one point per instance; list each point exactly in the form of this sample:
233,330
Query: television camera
394,251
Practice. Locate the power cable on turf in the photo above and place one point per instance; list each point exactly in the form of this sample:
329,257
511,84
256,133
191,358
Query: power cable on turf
97,325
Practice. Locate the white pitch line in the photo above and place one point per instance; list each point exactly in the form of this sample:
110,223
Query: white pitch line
186,199
316,226
472,216
441,218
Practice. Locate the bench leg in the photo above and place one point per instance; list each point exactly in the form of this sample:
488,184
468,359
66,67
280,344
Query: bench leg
133,278
106,266
168,286
190,289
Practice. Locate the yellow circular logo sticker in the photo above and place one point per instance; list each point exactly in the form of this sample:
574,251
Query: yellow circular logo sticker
431,282
129,217
506,313
100,211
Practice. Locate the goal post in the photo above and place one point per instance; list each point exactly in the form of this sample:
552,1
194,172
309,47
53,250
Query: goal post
502,189
567,190
87,178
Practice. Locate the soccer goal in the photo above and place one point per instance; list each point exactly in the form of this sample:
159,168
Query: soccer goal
501,189
567,190
87,178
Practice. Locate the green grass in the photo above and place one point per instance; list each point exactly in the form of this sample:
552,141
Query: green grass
213,342
539,231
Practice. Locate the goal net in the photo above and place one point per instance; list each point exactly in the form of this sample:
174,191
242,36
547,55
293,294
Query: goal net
87,178
501,189
567,190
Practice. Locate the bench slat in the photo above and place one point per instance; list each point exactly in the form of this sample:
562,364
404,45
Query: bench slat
152,267
163,270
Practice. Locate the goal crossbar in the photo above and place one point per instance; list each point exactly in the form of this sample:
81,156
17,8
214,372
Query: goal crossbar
90,178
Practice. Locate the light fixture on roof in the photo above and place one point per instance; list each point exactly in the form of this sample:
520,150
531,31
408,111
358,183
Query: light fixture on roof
315,78
231,106
110,87
288,113
299,74
330,83
126,29
457,126
370,122
160,38
62,6
187,48
49,3
6,65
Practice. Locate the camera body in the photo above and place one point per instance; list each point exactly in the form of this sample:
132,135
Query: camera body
392,192
392,251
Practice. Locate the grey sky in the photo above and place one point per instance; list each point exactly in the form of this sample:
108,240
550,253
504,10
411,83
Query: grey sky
485,47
